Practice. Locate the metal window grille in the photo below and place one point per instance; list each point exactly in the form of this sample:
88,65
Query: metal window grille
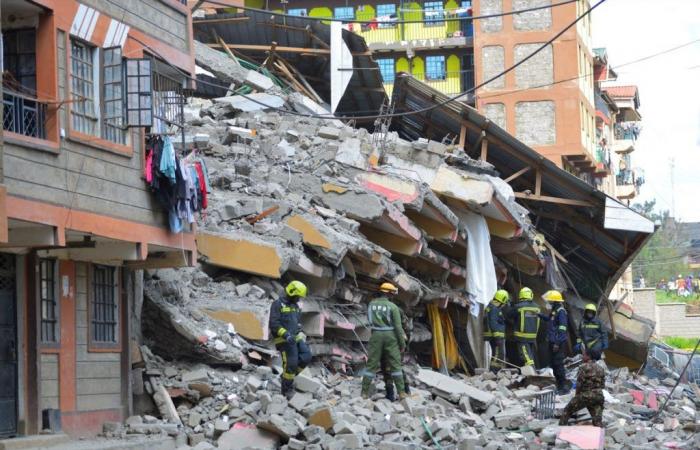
435,68
301,12
386,68
434,13
544,405
169,98
104,305
113,126
139,100
83,109
344,12
49,300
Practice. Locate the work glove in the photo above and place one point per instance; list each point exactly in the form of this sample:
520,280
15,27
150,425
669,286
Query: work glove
290,339
300,336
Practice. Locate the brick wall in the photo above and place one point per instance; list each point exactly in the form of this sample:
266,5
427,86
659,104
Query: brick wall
534,20
535,123
671,318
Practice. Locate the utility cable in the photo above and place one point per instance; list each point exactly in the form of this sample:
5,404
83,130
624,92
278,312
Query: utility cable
387,22
407,113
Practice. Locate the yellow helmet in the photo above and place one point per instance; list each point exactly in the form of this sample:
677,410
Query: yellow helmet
591,307
501,296
296,289
389,288
553,296
525,294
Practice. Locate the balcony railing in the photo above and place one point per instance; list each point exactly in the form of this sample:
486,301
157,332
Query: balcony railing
450,83
428,28
627,130
23,115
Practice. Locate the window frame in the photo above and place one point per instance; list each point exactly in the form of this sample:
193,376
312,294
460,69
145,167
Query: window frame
79,107
117,130
428,76
393,72
53,282
344,8
393,13
432,7
95,345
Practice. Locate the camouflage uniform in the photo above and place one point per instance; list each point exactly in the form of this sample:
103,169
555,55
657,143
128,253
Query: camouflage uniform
589,394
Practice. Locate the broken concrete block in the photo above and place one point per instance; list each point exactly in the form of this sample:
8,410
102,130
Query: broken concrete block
305,382
300,400
451,386
258,81
322,418
195,376
244,437
328,133
296,444
194,419
350,440
278,425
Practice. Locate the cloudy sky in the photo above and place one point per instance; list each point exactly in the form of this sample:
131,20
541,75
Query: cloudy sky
669,88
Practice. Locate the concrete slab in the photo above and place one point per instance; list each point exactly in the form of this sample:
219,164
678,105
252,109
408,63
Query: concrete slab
583,437
451,386
252,102
246,255
240,437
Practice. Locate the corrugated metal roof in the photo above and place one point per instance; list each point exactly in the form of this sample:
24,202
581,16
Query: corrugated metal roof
621,91
597,256
365,93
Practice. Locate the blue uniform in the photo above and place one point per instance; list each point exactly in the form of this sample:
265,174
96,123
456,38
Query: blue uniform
557,336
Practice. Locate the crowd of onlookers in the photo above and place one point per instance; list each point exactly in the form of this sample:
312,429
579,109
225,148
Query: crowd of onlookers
682,286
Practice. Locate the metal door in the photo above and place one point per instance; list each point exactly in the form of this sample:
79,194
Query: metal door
8,347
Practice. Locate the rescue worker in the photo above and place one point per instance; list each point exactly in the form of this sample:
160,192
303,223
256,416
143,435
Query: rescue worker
592,338
589,393
526,323
495,328
285,326
407,327
388,340
557,336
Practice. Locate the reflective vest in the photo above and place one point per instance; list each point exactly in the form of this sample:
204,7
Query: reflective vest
557,326
494,323
285,317
526,321
592,334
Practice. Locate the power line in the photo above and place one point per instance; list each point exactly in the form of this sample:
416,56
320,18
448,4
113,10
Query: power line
393,22
401,114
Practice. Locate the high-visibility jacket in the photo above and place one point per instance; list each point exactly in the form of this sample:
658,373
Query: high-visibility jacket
494,323
383,315
557,325
285,319
592,334
526,321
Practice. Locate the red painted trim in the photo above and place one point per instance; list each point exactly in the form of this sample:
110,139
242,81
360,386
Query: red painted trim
388,193
67,356
97,224
31,142
96,141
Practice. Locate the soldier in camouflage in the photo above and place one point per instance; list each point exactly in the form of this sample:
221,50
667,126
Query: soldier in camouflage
589,392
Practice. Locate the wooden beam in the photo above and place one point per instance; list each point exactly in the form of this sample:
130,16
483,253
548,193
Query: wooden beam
517,174
478,142
484,148
306,30
548,199
538,182
267,48
463,137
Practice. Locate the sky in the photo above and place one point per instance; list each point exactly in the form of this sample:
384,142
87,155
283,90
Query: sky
669,89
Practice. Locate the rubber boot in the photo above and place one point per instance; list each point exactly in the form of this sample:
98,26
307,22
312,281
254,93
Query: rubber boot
288,388
390,394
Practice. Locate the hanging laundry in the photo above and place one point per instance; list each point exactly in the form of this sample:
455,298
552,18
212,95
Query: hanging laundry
167,160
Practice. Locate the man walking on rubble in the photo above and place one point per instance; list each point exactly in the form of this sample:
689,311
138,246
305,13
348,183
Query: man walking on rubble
387,340
557,336
592,338
285,325
495,328
589,392
526,323
407,327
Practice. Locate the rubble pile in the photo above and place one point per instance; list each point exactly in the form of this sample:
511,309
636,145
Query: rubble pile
238,409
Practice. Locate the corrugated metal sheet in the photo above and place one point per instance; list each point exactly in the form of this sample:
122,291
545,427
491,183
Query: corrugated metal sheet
597,256
365,93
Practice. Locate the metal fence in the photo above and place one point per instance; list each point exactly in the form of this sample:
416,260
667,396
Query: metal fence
23,115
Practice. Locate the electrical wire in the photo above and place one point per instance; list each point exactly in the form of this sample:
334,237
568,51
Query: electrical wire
407,113
443,19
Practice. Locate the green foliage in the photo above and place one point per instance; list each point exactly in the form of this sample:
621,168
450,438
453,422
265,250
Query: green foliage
663,257
681,342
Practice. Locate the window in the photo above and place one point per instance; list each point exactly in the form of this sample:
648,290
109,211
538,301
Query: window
386,67
97,88
435,68
386,11
301,12
112,95
344,12
104,309
83,108
434,12
48,296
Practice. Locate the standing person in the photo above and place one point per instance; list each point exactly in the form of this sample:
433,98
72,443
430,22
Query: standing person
592,338
495,328
526,323
557,337
285,325
589,393
680,286
407,327
387,340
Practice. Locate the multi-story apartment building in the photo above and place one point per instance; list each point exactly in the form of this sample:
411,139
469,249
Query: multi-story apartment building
431,40
85,84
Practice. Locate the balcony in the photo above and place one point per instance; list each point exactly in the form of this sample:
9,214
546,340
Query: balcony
23,115
429,30
628,184
449,83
